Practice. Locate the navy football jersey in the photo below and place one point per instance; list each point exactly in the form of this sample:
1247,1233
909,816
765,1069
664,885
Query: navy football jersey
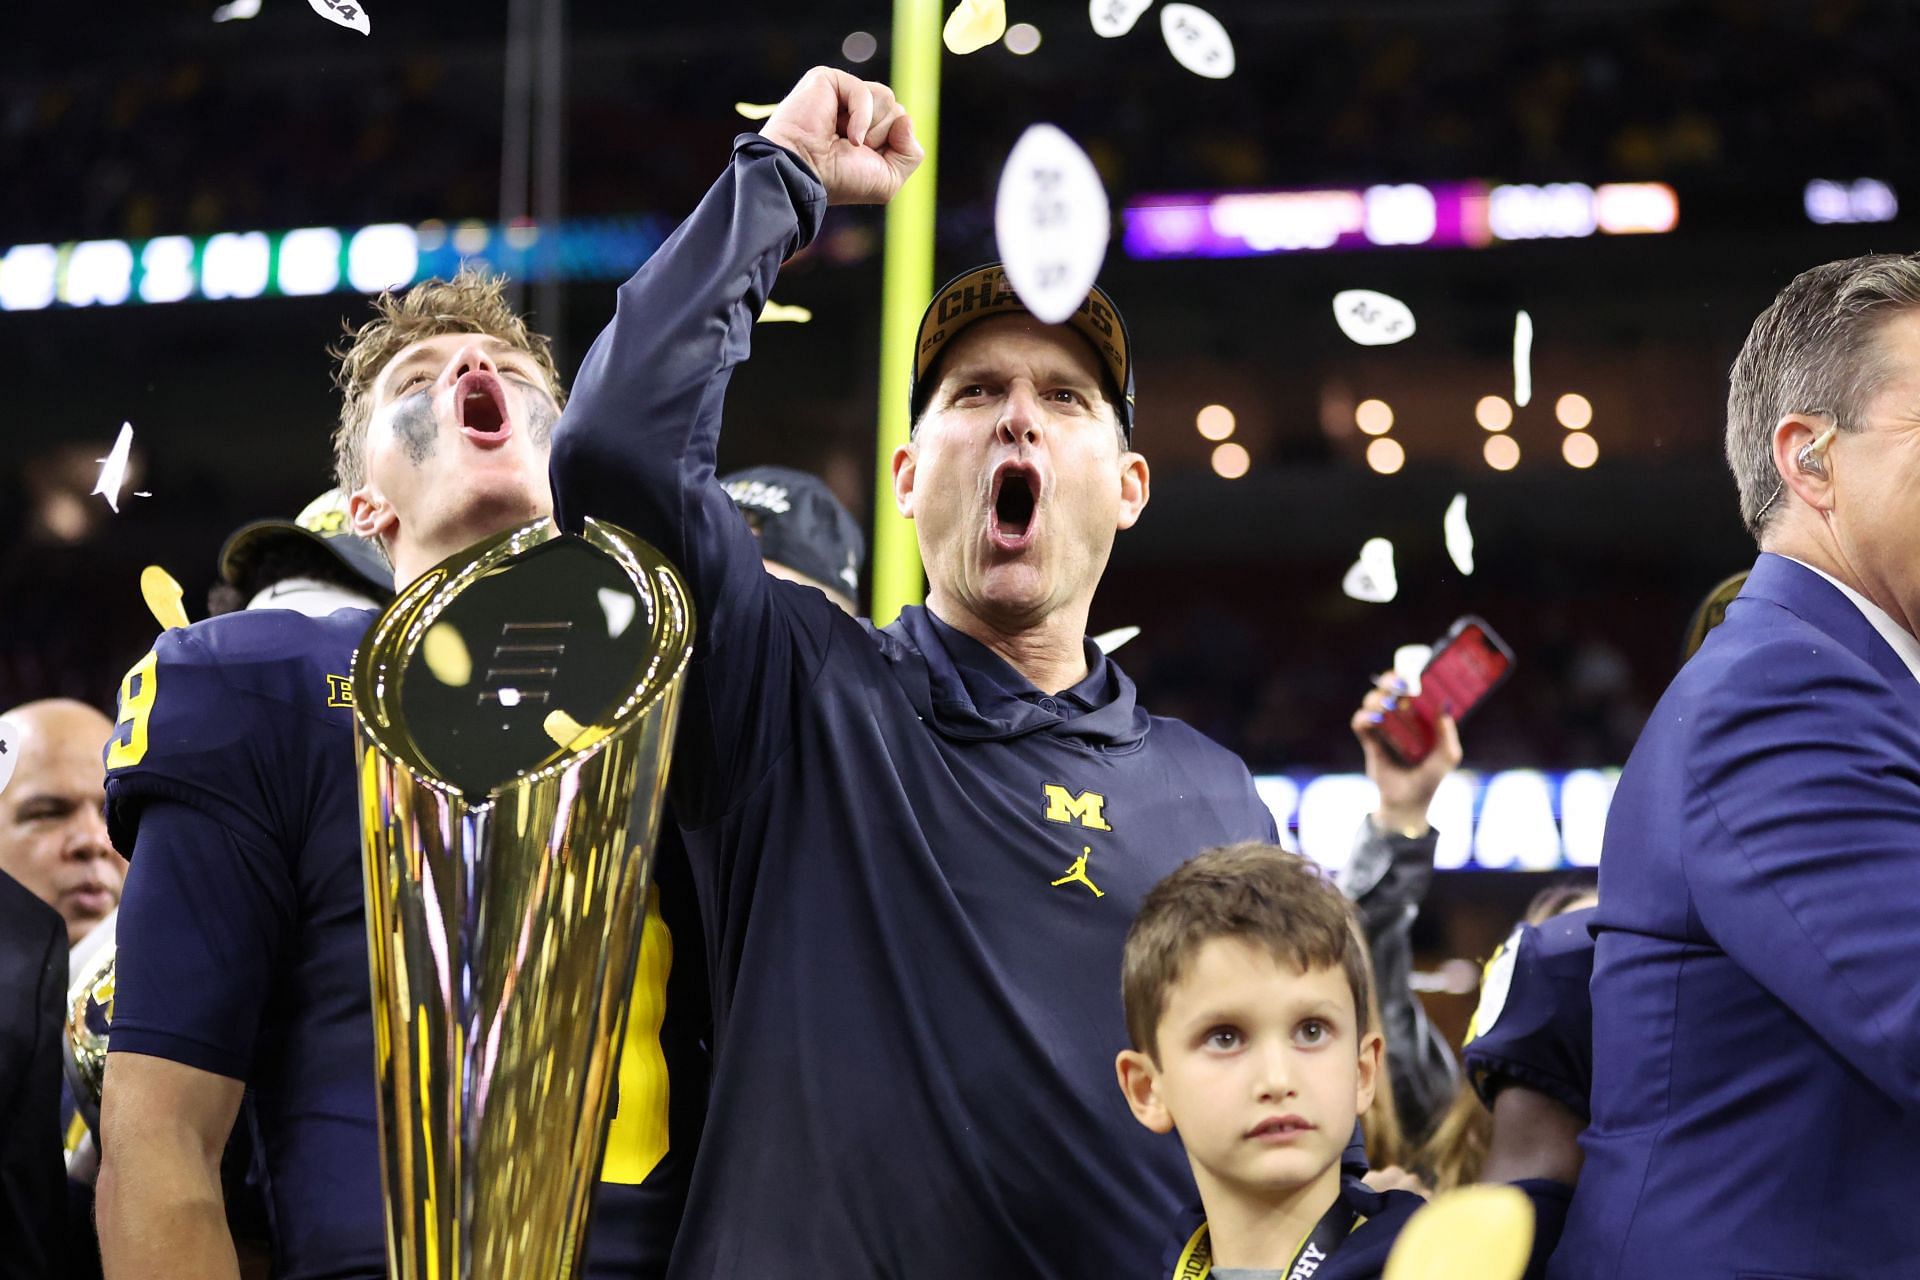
1534,1026
242,935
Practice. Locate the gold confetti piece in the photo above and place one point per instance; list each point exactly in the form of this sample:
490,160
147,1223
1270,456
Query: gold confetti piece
756,110
162,595
446,655
780,312
569,733
1475,1233
975,25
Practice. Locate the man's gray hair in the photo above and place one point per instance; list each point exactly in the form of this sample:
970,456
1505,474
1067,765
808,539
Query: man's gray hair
1815,350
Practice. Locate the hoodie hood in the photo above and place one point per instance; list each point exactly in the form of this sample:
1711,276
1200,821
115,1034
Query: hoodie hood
968,693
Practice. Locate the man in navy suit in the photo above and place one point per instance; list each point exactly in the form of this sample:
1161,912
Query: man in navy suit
1756,1008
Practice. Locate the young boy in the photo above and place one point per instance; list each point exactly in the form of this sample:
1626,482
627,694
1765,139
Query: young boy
1246,992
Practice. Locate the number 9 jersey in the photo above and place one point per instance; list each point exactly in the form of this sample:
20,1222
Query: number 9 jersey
242,935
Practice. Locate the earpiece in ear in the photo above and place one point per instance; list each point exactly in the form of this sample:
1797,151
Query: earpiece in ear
1808,459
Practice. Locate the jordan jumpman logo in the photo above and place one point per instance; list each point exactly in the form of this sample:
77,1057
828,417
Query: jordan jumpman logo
1078,871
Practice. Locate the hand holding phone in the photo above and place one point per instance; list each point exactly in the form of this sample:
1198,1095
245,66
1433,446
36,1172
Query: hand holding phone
1468,663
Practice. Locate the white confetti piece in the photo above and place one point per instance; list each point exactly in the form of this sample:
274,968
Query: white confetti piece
9,751
1522,359
619,607
346,13
113,468
1372,319
1409,660
1459,536
142,493
975,24
1116,17
1371,578
237,10
1197,40
1051,220
781,313
756,110
1108,641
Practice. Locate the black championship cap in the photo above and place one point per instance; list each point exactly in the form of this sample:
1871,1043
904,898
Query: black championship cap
1710,613
322,523
801,525
984,291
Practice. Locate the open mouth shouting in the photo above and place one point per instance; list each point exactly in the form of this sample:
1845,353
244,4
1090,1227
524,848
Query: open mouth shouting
480,407
1013,508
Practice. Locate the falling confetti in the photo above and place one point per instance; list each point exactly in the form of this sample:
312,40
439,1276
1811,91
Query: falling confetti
1409,660
1471,1233
1522,359
1372,319
1051,220
1459,536
346,13
756,110
781,313
9,751
236,10
1116,17
141,493
1371,577
1197,40
163,594
1108,641
445,652
569,733
975,24
113,468
619,607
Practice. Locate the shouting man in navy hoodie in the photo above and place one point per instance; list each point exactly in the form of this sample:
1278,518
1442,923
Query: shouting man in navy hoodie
917,848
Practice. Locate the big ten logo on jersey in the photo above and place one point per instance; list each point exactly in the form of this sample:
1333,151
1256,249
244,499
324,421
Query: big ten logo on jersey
1088,808
339,691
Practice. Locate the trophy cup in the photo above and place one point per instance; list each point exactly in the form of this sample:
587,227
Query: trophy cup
514,712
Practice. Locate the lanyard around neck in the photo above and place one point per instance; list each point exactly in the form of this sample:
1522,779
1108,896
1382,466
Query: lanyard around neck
1335,1225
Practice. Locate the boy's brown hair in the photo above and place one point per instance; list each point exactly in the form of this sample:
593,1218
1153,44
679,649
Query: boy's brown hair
1258,893
471,302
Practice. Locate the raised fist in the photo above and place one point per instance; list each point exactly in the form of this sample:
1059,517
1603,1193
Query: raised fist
854,135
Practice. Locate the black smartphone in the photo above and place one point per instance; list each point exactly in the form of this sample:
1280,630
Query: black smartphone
1468,663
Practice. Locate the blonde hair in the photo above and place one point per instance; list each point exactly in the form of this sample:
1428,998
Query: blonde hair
471,302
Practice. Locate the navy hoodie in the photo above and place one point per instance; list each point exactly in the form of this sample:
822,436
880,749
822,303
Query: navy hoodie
916,871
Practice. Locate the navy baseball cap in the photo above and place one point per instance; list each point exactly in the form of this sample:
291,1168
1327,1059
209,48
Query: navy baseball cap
984,291
321,523
801,525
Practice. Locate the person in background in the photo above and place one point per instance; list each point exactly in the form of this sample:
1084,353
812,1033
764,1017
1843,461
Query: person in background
312,564
1756,1029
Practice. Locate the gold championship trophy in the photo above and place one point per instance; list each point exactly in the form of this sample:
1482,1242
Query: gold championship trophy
514,710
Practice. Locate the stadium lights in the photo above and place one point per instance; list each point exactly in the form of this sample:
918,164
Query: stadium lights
1517,820
312,261
1456,215
1215,422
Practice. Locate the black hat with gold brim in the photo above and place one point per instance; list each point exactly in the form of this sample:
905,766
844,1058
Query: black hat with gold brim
983,292
1710,613
321,524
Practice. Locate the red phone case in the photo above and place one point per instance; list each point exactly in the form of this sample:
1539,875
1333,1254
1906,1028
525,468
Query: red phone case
1467,665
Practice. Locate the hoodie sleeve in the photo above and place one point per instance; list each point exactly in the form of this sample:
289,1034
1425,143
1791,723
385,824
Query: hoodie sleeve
636,448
